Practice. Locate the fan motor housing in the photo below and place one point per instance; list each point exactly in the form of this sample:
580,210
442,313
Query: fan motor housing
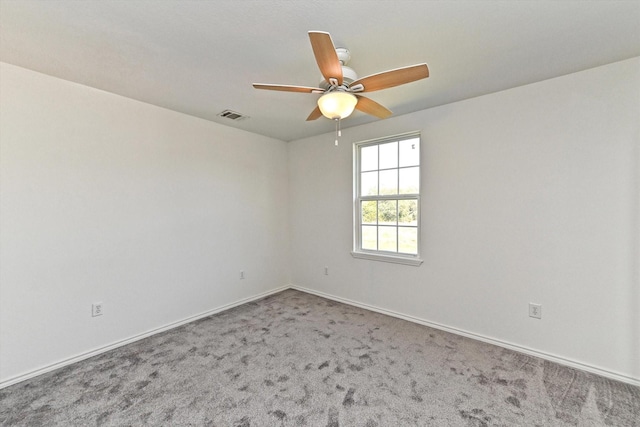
348,77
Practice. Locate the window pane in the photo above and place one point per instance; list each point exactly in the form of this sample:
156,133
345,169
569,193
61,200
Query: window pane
388,239
369,184
369,158
408,212
389,182
387,212
408,240
410,152
388,155
369,212
369,237
410,180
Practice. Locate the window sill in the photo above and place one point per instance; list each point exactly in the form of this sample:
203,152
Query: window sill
387,258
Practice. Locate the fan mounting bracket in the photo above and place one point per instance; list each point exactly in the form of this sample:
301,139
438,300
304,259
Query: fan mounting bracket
343,55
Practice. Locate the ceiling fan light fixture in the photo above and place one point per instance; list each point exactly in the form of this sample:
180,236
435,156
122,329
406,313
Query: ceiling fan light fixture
341,82
337,105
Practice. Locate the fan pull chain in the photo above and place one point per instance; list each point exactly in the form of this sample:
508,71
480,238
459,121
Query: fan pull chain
338,131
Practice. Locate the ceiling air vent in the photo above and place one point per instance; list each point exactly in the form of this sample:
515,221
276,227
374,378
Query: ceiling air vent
232,115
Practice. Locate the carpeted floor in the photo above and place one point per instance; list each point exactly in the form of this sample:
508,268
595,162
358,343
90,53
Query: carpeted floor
294,359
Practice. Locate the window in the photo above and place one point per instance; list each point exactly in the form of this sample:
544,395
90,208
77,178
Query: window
387,199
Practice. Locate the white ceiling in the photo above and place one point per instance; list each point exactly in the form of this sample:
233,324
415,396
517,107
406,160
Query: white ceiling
201,57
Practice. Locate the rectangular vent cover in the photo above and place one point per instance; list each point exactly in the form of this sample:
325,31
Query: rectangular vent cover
232,115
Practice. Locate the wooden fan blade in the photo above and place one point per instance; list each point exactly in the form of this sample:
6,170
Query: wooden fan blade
370,106
315,114
326,56
288,88
393,78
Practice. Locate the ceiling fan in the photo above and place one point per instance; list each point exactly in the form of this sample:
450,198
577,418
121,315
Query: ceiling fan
341,87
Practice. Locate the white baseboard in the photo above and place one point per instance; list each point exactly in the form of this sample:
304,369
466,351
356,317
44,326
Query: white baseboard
532,352
504,344
112,346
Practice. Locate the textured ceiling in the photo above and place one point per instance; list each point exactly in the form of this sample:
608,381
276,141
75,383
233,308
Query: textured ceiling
201,57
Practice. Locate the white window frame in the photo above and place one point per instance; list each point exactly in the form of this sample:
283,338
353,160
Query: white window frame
379,255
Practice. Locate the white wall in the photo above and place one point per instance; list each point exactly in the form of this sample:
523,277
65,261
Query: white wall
106,199
529,195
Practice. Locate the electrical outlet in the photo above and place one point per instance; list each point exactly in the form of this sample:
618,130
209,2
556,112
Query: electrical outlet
535,310
326,271
241,274
97,309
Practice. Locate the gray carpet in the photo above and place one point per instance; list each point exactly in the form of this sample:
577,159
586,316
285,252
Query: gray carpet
294,359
